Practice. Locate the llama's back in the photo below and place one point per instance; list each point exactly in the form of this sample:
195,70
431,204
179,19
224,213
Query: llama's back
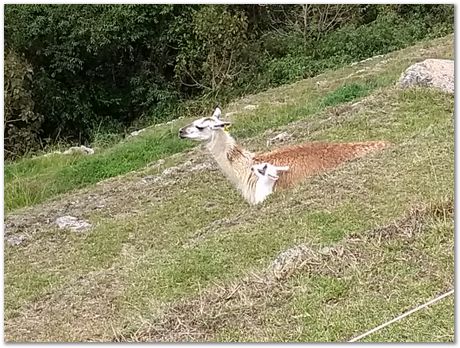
308,159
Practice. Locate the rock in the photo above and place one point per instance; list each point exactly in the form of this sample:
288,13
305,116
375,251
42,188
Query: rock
437,73
133,134
282,137
149,178
15,239
168,172
251,107
176,169
79,149
292,259
72,223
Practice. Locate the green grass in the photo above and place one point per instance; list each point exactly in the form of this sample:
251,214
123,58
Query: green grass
348,92
32,181
184,258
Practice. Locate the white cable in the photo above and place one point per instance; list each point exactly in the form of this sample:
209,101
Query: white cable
402,316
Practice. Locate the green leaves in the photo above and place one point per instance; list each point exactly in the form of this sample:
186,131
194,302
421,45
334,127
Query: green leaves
22,124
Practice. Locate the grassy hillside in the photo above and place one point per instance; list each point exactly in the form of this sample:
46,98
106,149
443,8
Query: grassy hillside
176,254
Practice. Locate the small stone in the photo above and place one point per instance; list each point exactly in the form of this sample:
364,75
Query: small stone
325,250
72,223
15,239
149,178
133,134
282,137
251,107
79,149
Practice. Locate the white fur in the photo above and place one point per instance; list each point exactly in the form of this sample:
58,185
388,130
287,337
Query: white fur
267,175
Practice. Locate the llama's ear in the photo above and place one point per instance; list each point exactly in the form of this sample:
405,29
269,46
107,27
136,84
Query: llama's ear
217,112
283,169
221,124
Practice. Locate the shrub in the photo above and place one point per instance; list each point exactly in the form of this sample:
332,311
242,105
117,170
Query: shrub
21,124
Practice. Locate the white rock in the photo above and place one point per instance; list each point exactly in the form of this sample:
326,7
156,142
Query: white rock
251,107
437,73
133,134
72,223
15,239
279,138
79,149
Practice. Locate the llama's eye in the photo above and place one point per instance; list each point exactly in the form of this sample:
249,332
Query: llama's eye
200,128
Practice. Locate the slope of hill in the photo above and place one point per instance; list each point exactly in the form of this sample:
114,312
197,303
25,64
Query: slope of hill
175,254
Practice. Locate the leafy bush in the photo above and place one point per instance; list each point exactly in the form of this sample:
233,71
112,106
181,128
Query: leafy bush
22,124
95,64
351,42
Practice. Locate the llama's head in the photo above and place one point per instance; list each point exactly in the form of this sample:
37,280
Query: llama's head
203,128
267,171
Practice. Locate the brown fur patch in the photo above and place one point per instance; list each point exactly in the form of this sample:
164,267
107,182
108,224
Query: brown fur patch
308,159
235,153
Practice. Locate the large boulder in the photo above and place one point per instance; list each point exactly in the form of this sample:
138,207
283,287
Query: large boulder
437,73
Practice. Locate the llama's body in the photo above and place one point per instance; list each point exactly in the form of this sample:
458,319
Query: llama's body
308,159
303,160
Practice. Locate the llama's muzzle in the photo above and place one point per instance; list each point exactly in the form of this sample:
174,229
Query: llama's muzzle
182,133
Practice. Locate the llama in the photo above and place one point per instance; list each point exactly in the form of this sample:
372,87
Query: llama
303,160
267,175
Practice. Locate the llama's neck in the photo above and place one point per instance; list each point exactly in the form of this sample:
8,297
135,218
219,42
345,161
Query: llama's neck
234,161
